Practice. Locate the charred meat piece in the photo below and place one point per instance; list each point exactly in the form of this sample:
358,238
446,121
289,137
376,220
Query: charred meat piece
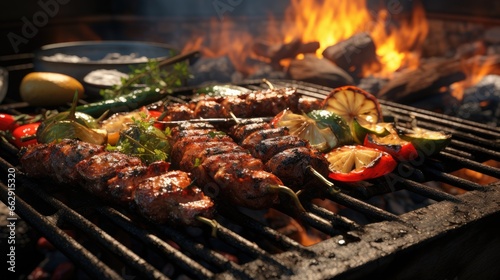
196,152
65,156
256,137
241,131
238,106
178,147
267,148
179,112
57,159
98,169
178,135
238,179
121,187
210,109
171,197
291,166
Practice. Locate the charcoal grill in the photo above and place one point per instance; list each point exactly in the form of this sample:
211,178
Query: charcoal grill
454,237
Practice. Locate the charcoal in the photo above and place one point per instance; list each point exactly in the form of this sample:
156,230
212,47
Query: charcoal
318,71
353,53
218,69
267,72
372,84
481,103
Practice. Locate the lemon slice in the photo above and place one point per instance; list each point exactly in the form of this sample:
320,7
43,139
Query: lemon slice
352,158
356,163
351,102
306,128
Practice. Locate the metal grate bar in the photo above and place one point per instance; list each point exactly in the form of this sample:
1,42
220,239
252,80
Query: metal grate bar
454,180
87,261
204,253
121,251
364,207
337,220
283,241
479,167
446,121
422,189
250,248
475,149
153,241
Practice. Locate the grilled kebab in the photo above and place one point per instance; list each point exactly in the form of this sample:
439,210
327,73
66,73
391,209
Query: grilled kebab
159,195
222,167
287,156
259,103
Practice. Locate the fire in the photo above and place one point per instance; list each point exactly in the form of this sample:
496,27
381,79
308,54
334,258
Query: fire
475,69
397,47
327,22
222,41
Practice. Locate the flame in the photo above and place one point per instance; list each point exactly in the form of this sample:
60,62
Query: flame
475,69
222,41
327,22
398,46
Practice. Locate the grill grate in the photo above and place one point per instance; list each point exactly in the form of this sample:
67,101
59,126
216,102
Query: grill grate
112,243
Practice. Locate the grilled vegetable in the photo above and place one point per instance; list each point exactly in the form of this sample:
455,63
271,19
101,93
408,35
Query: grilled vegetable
143,140
400,149
9,122
351,102
360,130
128,102
71,125
427,141
24,135
356,163
222,90
324,130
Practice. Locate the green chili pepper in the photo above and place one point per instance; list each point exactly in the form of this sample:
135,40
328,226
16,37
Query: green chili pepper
124,103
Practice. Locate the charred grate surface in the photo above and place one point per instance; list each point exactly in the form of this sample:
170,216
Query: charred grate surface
366,239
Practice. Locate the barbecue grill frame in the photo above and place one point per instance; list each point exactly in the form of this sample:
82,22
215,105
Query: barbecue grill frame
424,243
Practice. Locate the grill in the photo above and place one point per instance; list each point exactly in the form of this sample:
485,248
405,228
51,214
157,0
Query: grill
452,237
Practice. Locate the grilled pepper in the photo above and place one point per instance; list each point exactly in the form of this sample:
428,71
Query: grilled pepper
400,149
128,102
357,163
426,141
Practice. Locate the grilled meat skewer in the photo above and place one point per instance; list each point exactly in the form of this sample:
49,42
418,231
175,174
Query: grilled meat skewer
287,156
158,195
221,165
260,103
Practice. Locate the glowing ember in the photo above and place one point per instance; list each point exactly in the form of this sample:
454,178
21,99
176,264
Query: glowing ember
475,70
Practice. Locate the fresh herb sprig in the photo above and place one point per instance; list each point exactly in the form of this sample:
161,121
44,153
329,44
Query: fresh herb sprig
167,75
143,140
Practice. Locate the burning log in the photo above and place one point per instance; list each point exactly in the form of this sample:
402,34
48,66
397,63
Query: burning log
318,71
411,85
353,53
281,51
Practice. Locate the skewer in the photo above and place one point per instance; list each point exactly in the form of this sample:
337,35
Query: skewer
214,121
213,224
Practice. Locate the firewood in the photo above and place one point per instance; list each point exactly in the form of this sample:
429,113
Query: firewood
277,52
412,85
318,71
353,53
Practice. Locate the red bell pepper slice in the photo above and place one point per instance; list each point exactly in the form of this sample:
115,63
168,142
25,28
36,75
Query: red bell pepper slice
357,163
400,149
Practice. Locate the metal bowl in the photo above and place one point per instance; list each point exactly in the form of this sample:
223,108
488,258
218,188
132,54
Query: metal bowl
77,59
